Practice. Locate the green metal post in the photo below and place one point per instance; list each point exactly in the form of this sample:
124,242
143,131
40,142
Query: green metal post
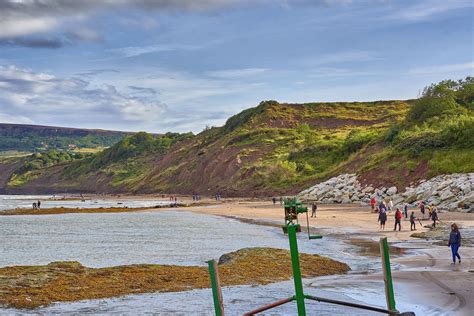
295,262
387,272
216,289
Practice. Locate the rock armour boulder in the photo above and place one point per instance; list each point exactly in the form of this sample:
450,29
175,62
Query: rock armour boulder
453,192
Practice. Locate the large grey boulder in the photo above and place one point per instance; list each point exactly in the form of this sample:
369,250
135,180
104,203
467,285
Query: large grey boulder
391,191
452,192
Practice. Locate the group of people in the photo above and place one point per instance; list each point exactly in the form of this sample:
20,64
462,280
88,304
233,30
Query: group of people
196,197
37,205
274,200
384,207
454,238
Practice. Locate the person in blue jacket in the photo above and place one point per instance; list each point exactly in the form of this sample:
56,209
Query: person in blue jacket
455,242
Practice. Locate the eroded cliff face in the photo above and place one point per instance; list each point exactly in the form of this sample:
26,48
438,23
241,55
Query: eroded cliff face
271,149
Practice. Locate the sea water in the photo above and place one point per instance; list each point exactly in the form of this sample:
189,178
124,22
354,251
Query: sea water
181,238
11,202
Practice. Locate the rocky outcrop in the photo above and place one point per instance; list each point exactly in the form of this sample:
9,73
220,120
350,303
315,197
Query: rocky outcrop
454,192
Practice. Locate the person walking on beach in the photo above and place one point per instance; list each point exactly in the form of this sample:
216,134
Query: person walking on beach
434,216
34,205
373,202
398,219
38,204
405,211
382,219
412,221
422,209
274,200
455,242
390,205
314,208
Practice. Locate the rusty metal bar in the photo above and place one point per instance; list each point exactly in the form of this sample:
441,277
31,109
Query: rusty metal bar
269,306
355,305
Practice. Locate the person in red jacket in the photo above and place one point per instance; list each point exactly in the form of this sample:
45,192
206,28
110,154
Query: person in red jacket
398,220
373,202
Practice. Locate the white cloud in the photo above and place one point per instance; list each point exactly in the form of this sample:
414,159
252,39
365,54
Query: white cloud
14,119
323,72
237,73
86,35
443,69
181,88
18,26
19,18
28,94
430,8
341,58
133,51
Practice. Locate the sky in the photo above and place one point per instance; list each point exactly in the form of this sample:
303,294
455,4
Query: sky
184,65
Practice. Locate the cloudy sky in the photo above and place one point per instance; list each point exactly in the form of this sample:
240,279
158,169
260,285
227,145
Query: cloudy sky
179,65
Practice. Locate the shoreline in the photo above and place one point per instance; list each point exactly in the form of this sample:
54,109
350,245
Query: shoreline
425,271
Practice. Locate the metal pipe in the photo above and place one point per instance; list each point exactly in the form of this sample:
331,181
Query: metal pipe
295,262
307,226
355,305
387,274
216,288
269,306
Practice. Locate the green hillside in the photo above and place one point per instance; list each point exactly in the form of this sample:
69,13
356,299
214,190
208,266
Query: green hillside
283,148
34,138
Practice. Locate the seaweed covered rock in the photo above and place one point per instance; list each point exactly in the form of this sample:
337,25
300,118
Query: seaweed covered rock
34,286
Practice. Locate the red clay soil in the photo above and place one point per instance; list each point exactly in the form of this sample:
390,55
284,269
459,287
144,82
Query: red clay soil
331,122
384,177
205,170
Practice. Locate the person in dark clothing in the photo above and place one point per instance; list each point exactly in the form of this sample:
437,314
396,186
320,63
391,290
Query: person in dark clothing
434,216
382,219
398,219
412,221
383,206
405,210
274,200
455,242
422,209
314,208
38,204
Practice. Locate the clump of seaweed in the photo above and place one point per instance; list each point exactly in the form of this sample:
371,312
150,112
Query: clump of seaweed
29,287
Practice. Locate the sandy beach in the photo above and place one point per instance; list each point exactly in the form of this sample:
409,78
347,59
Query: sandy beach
426,274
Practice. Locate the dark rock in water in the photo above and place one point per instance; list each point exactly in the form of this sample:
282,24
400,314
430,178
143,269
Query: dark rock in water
225,258
440,234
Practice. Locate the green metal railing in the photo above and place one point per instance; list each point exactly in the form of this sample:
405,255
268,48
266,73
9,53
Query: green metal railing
292,208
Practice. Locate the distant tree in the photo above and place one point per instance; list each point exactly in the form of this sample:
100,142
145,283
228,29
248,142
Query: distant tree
444,99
